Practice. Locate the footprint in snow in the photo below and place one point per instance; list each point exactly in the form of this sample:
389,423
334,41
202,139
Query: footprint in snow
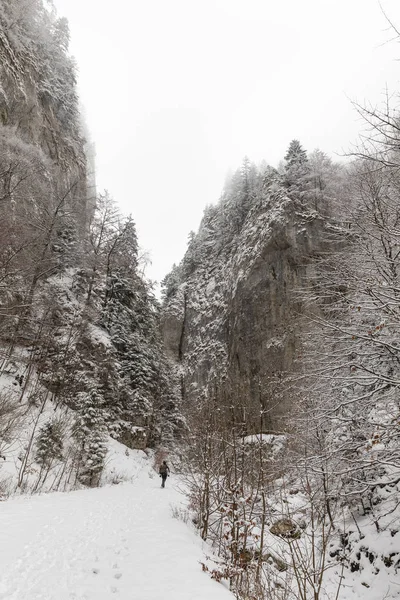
118,575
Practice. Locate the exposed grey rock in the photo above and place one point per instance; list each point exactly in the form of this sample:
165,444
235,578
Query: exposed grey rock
134,437
285,528
234,321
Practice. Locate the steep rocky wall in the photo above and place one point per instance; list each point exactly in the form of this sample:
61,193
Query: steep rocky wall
38,95
234,321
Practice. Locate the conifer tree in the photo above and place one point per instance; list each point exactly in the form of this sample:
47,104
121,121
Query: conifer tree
297,171
171,282
295,155
49,443
89,432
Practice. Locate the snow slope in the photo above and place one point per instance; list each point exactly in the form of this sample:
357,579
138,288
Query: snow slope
119,541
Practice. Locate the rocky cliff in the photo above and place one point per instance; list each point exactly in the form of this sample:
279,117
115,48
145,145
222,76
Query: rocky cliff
231,310
39,103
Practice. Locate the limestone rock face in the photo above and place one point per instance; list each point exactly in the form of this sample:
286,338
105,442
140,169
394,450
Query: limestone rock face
234,319
38,97
173,325
134,437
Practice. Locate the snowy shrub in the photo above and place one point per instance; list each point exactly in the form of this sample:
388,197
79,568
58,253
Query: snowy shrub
6,487
179,513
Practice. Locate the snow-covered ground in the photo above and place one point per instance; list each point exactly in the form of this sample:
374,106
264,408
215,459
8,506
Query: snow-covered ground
119,541
122,541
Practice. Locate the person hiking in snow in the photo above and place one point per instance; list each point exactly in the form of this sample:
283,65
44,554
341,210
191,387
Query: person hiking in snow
164,472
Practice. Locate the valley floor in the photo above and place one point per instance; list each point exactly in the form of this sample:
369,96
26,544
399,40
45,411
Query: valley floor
117,542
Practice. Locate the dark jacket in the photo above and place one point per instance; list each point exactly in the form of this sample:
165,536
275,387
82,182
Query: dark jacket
164,470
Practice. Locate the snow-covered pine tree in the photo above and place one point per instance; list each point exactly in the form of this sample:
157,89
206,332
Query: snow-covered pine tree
171,281
49,443
89,431
295,155
296,175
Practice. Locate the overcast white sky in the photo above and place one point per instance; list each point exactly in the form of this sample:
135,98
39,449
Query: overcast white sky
177,92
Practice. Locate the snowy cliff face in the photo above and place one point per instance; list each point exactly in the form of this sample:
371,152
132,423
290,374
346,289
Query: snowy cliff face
38,96
38,81
232,320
